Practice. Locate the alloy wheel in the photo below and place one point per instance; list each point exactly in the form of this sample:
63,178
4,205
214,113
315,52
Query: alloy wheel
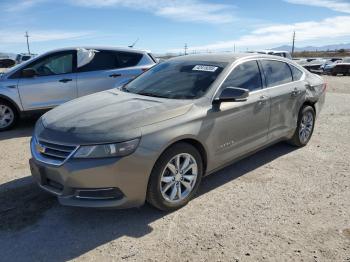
7,116
179,177
306,126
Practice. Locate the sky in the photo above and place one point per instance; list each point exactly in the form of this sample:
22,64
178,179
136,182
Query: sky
165,26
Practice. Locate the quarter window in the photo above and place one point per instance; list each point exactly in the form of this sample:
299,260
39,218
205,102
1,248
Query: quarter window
246,75
297,74
276,72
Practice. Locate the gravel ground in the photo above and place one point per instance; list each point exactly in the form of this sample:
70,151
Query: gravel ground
281,204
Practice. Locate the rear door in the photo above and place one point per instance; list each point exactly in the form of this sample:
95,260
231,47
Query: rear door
54,84
241,127
107,70
285,96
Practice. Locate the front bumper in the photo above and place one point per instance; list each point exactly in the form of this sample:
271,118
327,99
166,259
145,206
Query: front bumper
103,183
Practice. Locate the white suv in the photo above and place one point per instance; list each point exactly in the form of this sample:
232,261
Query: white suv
61,75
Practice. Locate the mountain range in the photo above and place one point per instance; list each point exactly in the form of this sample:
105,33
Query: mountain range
313,48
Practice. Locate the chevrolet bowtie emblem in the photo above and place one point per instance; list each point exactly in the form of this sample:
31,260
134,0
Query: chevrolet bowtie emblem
40,148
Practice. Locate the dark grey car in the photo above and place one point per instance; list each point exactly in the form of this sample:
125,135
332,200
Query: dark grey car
160,134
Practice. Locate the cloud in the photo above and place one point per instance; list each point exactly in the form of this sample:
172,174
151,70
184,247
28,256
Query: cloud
19,6
335,5
178,10
334,27
16,37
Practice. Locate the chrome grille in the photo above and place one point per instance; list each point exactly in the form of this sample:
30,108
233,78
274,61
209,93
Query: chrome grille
50,152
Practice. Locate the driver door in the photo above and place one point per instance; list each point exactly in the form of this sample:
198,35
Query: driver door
55,82
241,127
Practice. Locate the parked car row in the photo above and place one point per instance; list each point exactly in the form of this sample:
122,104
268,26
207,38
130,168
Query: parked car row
333,66
55,77
154,138
338,67
284,54
7,61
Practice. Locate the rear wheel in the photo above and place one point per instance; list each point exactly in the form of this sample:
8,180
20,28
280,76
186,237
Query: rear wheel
8,115
175,177
305,127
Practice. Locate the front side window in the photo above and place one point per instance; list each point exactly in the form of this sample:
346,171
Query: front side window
246,75
54,65
276,72
177,79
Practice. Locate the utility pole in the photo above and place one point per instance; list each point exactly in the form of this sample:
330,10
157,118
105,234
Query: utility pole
27,36
234,48
186,49
293,46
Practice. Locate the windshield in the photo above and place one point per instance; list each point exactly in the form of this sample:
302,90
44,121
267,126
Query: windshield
176,79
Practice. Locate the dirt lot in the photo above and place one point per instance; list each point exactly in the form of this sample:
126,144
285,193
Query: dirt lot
280,204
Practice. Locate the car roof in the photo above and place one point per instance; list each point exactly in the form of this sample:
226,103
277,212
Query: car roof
225,57
109,48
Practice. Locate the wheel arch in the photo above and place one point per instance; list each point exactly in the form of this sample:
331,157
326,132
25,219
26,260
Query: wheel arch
196,144
9,100
309,103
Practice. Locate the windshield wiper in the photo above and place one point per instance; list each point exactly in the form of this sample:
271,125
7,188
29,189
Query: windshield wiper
151,94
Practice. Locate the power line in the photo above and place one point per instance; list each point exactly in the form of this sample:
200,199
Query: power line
27,36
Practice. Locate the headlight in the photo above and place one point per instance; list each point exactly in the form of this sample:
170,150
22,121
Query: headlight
107,150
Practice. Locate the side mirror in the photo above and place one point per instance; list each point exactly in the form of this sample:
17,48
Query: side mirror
29,72
232,94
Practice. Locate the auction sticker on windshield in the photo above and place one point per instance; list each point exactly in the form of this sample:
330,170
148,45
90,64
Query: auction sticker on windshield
205,68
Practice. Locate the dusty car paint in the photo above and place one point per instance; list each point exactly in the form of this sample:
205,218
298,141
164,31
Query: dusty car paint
222,133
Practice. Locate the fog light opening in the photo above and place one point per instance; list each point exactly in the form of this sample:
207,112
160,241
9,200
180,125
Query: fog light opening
110,193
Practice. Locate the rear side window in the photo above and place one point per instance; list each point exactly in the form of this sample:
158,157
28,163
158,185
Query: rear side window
276,72
107,60
297,74
246,75
128,59
103,60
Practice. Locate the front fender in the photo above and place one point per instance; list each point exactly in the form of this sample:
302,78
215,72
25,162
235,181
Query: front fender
9,92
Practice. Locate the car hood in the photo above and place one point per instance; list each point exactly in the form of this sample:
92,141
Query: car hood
109,116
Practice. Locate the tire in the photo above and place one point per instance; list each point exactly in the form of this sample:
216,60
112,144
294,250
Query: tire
8,115
160,198
334,74
304,122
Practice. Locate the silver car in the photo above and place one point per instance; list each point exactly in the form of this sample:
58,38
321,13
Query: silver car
155,138
65,74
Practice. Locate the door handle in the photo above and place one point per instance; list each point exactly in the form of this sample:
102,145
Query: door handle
114,75
295,92
65,80
262,100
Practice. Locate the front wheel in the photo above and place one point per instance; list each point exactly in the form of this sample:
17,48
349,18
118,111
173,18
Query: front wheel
8,115
305,127
175,177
